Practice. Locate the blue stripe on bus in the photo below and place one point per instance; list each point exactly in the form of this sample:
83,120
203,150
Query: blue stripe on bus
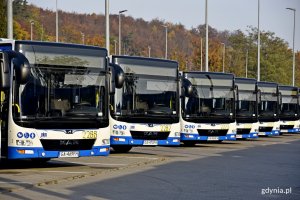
38,151
128,140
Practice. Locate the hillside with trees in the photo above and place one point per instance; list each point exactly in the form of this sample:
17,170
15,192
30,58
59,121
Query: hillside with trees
139,35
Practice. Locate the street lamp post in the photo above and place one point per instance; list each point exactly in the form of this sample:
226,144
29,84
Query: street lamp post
201,59
82,37
166,51
149,51
120,39
294,10
42,34
247,52
107,40
31,24
56,22
10,19
258,45
115,44
206,38
223,57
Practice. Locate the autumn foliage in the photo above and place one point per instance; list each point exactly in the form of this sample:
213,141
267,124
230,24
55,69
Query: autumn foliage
140,36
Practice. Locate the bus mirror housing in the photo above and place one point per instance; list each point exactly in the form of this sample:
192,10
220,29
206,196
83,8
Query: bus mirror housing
22,68
237,96
187,88
258,96
279,98
4,70
117,78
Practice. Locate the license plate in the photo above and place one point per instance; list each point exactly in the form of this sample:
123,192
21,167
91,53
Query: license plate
213,138
69,154
248,125
150,142
239,136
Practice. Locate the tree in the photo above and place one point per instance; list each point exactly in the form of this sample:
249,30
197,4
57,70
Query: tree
3,24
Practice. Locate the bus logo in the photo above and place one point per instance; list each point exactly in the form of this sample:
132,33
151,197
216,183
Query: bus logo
150,133
26,135
43,135
19,134
32,135
69,142
150,125
121,127
69,132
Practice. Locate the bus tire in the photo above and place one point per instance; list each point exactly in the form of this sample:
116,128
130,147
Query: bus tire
121,148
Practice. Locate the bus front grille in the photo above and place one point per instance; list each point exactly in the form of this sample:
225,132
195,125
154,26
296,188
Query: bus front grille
212,132
265,129
286,127
67,145
149,135
241,131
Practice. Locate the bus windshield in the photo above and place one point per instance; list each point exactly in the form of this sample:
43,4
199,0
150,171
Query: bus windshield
268,105
56,92
210,101
146,95
246,104
67,85
289,105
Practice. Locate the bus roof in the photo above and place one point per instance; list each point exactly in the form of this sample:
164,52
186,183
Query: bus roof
287,87
135,60
266,84
245,80
56,44
216,75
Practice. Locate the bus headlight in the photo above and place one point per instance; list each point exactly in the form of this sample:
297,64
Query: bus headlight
105,141
22,151
177,134
26,143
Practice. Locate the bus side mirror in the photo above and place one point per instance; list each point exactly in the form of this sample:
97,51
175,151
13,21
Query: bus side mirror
187,88
279,98
117,78
258,96
236,88
22,68
4,70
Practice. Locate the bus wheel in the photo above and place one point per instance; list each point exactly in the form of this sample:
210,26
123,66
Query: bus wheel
122,148
40,160
189,143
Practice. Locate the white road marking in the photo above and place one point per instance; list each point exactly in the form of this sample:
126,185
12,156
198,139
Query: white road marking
105,164
14,182
132,157
53,171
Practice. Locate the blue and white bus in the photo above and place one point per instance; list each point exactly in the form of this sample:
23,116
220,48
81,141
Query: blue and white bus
246,108
54,100
268,109
145,108
289,109
208,107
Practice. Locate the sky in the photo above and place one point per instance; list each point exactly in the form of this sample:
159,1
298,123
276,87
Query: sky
222,14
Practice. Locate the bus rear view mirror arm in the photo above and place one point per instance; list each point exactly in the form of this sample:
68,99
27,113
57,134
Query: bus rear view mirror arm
4,67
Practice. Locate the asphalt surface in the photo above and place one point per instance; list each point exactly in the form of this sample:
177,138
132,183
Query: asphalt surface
256,169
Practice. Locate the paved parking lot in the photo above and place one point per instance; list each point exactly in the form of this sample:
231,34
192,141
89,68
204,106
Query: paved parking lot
211,171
